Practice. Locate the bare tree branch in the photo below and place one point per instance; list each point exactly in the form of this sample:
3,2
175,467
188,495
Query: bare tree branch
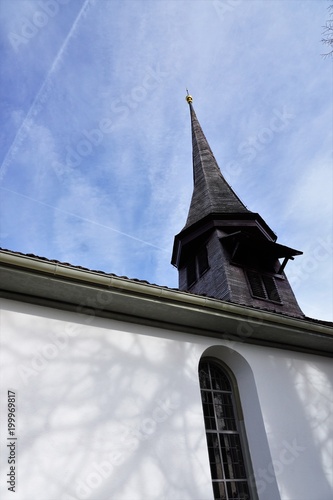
328,33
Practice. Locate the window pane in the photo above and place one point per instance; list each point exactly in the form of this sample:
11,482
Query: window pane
232,456
238,490
204,376
208,409
214,456
219,380
219,491
224,412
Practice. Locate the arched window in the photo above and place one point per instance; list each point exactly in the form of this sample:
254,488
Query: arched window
224,441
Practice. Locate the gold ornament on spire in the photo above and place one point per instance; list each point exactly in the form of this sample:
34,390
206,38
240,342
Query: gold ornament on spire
188,97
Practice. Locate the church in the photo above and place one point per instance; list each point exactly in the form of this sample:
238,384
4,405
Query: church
118,389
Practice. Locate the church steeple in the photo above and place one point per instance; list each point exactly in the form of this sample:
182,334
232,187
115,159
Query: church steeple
224,250
211,193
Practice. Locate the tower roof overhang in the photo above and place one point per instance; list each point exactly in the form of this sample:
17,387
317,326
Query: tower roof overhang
271,248
250,222
243,245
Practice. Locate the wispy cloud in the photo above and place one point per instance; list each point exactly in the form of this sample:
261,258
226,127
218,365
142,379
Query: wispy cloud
42,95
97,148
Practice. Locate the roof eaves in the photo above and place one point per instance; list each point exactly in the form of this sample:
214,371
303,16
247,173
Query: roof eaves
88,274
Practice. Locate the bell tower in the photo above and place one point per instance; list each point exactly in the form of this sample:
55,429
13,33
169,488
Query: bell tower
226,251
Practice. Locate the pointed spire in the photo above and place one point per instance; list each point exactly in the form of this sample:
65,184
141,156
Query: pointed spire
211,194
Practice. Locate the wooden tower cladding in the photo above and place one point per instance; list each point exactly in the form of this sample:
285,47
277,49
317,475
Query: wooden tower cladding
226,251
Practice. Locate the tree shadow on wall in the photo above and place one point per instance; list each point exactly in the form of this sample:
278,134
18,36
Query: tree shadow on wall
110,412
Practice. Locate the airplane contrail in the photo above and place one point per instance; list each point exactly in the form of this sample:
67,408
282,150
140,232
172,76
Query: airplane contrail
122,233
42,94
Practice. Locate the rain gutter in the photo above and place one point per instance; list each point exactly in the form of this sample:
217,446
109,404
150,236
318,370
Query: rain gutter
54,284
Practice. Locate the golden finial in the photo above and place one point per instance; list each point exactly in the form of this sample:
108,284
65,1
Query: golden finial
188,97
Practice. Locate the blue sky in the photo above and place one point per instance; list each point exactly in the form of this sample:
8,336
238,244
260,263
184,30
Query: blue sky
95,165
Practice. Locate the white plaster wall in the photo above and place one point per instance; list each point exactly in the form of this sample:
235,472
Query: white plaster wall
296,397
105,410
112,411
